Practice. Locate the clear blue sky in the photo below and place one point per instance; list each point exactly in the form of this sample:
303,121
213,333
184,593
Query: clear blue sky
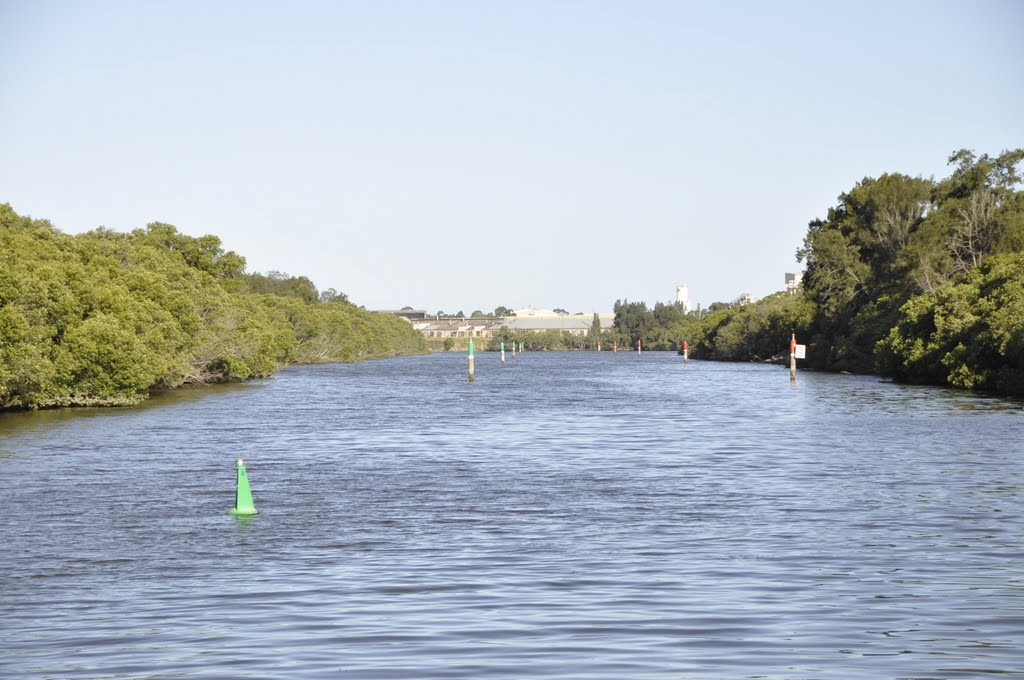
464,155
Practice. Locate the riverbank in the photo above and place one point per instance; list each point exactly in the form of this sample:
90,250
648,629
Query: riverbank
104,318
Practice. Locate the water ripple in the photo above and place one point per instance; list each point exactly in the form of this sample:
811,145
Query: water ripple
567,516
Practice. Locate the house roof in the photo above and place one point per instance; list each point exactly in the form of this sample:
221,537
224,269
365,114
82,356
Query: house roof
534,312
558,322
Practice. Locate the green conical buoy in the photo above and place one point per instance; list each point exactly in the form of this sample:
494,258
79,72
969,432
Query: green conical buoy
243,496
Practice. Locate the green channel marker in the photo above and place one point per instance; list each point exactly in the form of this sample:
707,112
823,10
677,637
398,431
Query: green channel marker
243,496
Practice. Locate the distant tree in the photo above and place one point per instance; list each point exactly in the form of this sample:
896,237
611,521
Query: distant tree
633,320
448,344
503,311
594,336
280,283
752,332
331,295
477,314
204,253
984,208
667,314
562,312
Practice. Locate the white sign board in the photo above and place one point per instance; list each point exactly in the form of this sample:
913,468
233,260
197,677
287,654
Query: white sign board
801,351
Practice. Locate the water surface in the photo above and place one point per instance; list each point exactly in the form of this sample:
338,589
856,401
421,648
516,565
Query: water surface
566,516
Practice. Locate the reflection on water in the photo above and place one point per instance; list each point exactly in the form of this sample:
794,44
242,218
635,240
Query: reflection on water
569,515
13,422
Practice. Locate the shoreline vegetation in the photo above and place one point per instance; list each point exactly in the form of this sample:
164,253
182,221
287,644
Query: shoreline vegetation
103,318
917,280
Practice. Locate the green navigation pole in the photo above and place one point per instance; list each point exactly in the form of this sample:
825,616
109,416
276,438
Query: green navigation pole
503,353
243,496
472,368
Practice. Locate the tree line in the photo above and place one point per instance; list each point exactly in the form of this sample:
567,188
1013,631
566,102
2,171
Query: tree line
104,318
907,276
661,329
920,280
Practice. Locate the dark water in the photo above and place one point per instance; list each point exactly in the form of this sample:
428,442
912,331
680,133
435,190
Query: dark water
568,516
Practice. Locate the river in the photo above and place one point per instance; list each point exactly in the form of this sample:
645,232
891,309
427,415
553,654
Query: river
569,515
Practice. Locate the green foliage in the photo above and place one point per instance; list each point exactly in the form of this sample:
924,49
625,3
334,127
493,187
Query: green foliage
754,332
203,253
921,280
279,283
331,295
861,254
967,334
633,321
896,237
105,317
662,328
539,341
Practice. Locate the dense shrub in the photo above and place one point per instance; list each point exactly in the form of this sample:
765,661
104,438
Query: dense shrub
105,317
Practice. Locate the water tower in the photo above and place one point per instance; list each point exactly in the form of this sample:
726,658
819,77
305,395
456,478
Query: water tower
683,297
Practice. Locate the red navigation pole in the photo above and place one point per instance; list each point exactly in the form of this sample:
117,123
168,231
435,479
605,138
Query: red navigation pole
792,358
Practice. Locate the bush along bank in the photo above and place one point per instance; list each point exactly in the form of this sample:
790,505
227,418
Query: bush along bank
103,318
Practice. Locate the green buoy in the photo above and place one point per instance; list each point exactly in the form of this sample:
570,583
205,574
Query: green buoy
243,496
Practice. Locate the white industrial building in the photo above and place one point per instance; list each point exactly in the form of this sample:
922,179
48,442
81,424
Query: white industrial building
683,297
